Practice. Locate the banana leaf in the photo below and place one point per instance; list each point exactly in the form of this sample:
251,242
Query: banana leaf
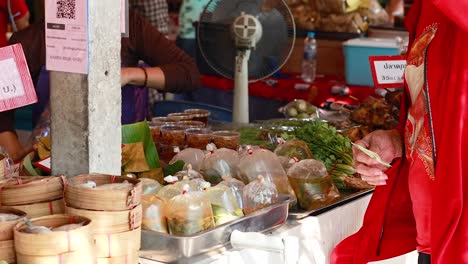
139,132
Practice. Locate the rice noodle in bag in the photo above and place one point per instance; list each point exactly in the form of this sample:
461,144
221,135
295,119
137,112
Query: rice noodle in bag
191,156
237,188
219,163
190,173
150,186
312,184
224,204
259,194
294,149
154,216
266,163
189,213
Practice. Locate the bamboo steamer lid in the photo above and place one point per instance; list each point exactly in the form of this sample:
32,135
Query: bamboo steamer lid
29,190
42,209
131,258
6,227
118,244
105,200
105,222
7,251
66,258
57,242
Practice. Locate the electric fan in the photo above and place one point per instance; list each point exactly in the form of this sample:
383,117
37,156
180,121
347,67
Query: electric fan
246,40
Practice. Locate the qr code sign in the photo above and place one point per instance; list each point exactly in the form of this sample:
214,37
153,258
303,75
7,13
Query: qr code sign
66,9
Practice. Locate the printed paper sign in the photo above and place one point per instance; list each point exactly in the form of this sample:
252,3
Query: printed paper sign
124,18
66,35
16,86
388,71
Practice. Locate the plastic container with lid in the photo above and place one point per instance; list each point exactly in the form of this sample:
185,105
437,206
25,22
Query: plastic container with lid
198,137
357,51
199,114
180,116
191,124
189,213
226,139
173,135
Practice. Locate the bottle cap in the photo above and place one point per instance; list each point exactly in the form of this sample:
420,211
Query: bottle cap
311,34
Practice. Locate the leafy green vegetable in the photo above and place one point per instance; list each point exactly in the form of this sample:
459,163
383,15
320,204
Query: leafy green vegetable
174,168
328,146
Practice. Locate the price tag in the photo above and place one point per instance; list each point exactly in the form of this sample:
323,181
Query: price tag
388,71
16,86
44,164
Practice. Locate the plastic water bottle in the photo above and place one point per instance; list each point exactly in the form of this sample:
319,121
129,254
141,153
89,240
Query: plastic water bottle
309,62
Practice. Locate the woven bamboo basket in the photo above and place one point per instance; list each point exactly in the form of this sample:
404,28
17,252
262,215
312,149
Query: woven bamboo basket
118,244
131,258
42,209
6,228
109,222
66,258
30,190
4,167
102,200
7,251
54,243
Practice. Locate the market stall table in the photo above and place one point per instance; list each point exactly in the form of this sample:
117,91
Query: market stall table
266,96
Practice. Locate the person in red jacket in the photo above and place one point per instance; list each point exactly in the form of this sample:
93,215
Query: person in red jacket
419,203
14,13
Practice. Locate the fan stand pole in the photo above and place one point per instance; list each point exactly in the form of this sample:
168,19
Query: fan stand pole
241,88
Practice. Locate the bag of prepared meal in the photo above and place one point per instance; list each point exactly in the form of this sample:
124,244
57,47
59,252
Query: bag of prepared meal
266,163
175,187
220,163
259,194
190,156
312,184
237,188
154,216
150,186
189,213
294,149
224,204
190,173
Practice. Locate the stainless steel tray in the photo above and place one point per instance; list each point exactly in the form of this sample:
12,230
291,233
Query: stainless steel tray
169,248
296,213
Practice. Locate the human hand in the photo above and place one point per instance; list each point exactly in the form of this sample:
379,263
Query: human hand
125,76
387,144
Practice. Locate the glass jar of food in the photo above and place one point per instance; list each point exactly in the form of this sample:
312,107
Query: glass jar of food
156,124
199,114
180,116
198,137
173,135
226,139
191,124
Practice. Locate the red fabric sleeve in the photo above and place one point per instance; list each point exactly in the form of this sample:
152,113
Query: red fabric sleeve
19,8
455,10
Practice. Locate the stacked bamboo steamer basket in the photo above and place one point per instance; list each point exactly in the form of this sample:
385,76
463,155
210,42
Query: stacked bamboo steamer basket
37,196
7,249
116,215
57,247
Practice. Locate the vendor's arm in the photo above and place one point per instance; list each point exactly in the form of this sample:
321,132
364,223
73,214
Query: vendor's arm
21,15
8,138
172,71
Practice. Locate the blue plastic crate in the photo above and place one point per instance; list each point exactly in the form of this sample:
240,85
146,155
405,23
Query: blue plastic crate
357,52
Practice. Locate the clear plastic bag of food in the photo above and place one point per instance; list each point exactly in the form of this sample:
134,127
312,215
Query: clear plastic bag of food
348,23
219,163
190,156
6,165
330,6
175,187
299,109
189,172
237,188
259,194
224,204
375,14
154,216
189,213
312,184
266,163
294,149
150,186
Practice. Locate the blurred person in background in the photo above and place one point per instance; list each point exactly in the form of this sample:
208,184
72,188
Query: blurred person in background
170,69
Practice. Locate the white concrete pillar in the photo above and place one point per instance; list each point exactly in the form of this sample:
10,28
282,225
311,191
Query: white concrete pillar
86,109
